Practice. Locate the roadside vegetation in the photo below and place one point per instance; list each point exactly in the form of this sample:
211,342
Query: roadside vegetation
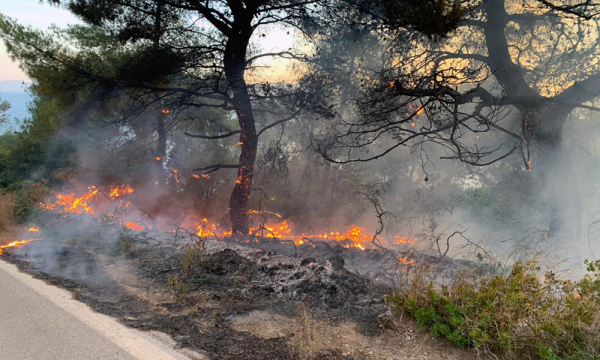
524,314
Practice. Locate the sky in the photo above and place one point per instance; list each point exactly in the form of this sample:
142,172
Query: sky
33,13
42,15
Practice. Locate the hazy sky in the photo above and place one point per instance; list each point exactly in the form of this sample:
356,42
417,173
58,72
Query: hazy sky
41,15
29,12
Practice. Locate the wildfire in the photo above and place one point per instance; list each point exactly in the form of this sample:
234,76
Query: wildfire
16,243
119,191
69,203
402,240
406,261
252,212
207,230
355,237
91,203
420,110
165,111
73,204
34,229
134,226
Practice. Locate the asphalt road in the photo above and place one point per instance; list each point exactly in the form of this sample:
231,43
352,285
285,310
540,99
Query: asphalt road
41,322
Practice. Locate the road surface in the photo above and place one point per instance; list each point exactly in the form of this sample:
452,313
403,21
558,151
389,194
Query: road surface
42,322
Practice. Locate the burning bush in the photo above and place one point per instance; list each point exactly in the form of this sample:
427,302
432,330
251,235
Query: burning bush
519,315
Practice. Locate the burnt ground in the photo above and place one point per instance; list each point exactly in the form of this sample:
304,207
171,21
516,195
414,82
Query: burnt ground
241,302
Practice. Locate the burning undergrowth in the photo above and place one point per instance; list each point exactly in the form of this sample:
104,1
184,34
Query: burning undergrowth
90,246
229,282
112,218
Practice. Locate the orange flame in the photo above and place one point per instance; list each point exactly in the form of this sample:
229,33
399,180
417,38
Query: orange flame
406,261
403,240
134,226
15,243
354,237
69,203
34,229
74,204
119,191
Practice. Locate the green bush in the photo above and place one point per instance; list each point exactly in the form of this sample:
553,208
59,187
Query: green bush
515,316
191,257
179,287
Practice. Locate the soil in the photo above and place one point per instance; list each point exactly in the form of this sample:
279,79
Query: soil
242,302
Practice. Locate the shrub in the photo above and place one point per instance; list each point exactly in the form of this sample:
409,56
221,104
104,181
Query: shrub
191,257
125,245
179,287
516,316
190,260
6,212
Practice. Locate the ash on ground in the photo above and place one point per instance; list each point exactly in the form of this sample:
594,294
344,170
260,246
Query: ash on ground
239,302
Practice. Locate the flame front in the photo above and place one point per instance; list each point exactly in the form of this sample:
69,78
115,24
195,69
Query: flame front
15,243
91,203
134,226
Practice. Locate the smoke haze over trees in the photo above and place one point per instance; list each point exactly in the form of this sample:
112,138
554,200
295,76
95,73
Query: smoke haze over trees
466,111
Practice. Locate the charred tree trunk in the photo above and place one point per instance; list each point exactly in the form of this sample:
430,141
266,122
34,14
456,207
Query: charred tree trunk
161,149
235,66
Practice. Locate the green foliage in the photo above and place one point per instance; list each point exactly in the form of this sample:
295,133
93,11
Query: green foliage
35,158
191,257
124,246
189,261
179,287
4,106
435,18
520,315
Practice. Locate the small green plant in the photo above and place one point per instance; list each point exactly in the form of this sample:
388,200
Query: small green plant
191,257
179,287
189,261
124,246
516,316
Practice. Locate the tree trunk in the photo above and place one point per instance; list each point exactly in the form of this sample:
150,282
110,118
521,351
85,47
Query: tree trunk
235,65
161,149
544,125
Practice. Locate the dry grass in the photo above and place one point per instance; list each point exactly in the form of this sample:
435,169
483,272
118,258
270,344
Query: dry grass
7,220
308,339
